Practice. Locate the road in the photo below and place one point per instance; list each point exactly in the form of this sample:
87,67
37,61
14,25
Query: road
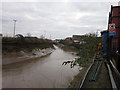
46,72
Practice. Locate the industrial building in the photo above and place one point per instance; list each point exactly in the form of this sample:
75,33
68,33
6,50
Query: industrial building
114,36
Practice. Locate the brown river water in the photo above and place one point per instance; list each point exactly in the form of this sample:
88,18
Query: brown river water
45,72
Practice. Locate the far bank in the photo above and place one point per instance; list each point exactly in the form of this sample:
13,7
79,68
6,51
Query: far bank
15,49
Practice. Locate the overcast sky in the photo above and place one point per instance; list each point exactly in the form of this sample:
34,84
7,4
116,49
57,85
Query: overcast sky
58,19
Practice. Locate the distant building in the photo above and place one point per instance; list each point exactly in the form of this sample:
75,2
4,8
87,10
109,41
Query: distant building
75,39
68,40
57,40
80,39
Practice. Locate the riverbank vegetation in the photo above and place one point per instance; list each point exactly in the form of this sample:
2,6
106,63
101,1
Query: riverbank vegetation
86,54
20,43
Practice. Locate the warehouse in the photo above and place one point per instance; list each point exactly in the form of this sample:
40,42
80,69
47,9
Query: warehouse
114,36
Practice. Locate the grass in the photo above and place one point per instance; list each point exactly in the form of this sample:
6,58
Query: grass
86,53
102,80
11,44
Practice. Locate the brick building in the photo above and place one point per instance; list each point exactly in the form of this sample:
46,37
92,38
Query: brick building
114,40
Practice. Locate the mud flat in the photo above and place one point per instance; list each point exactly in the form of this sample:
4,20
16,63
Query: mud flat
14,57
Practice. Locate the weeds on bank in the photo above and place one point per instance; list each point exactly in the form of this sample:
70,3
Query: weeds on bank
86,54
16,44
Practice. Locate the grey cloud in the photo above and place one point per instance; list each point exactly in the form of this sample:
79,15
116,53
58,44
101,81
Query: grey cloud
58,19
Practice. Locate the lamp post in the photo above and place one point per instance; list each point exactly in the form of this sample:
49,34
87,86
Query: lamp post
14,27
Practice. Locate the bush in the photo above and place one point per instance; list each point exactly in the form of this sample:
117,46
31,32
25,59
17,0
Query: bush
87,51
10,44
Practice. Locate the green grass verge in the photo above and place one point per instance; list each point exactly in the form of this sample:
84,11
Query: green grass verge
86,53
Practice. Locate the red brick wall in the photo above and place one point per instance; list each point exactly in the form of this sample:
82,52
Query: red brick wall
115,18
116,11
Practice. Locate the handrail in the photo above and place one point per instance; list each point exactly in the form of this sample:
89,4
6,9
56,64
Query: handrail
114,66
111,78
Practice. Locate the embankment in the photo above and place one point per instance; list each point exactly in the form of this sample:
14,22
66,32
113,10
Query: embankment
86,54
16,49
14,57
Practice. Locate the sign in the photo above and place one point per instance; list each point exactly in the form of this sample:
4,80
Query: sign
112,29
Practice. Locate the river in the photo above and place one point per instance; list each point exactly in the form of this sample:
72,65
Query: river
45,72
